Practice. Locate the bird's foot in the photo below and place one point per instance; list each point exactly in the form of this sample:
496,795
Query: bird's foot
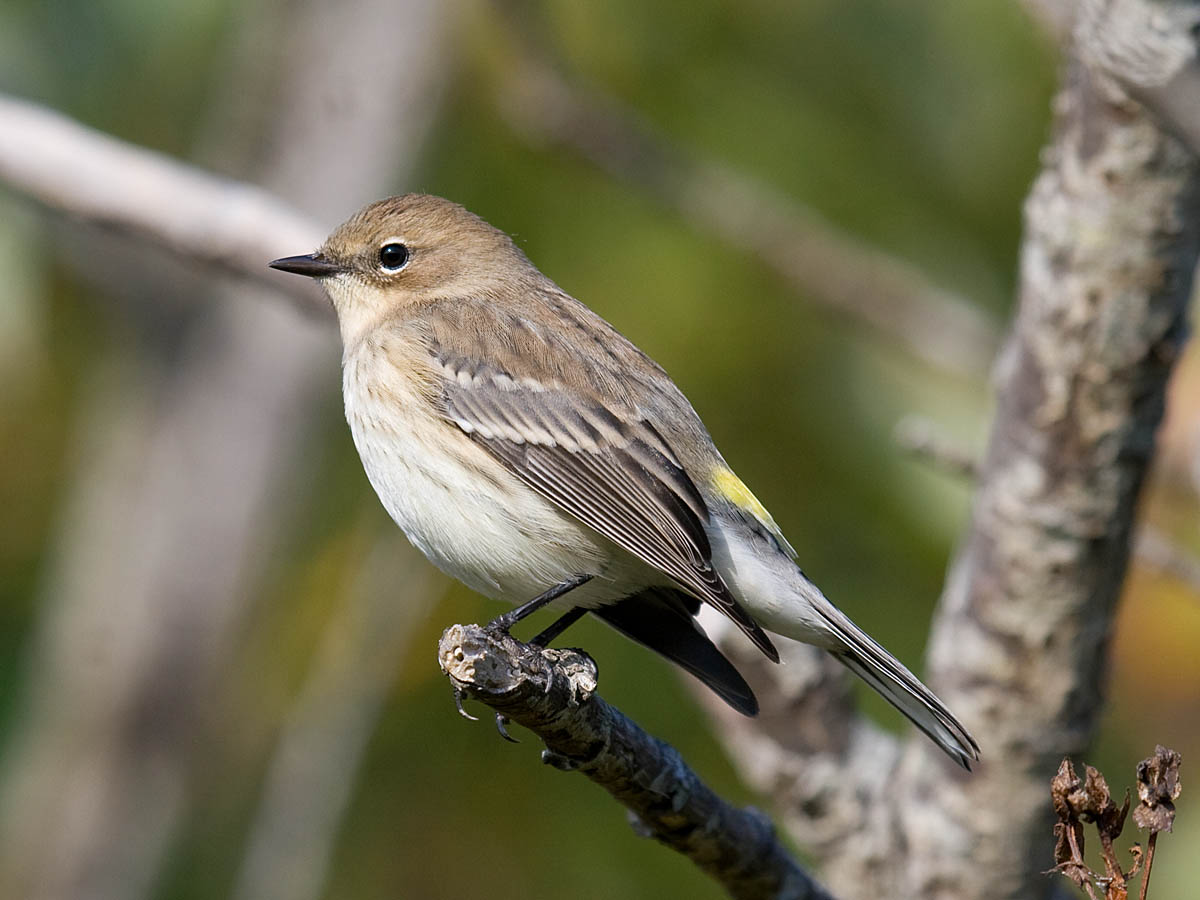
501,719
503,622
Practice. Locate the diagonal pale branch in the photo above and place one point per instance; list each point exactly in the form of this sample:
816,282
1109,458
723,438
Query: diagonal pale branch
212,221
552,693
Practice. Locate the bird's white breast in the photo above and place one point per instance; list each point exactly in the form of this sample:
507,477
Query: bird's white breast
457,505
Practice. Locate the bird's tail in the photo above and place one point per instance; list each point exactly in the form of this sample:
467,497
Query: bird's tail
900,687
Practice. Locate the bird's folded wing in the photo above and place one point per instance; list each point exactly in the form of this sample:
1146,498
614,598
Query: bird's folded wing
608,467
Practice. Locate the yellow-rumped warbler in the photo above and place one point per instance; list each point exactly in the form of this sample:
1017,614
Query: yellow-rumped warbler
534,453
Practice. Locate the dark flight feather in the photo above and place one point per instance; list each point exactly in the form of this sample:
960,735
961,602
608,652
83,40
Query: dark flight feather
661,619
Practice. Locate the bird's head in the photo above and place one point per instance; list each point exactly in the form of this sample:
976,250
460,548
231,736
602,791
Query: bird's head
404,250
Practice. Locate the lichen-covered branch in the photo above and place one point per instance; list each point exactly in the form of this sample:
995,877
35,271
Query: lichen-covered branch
1148,49
1019,648
552,693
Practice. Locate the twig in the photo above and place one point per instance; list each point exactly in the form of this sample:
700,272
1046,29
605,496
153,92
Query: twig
1148,50
1157,550
929,443
1149,862
1145,49
552,693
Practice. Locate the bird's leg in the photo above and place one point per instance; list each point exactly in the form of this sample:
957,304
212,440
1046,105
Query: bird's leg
507,620
558,626
512,617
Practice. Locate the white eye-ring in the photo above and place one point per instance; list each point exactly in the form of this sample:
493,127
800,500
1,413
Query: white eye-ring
393,256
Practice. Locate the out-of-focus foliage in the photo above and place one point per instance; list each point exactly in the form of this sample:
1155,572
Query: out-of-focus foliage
914,126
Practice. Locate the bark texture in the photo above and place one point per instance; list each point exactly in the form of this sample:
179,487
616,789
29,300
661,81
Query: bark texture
1019,645
1111,240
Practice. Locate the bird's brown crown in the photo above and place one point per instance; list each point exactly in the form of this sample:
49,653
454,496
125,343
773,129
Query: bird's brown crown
419,243
416,247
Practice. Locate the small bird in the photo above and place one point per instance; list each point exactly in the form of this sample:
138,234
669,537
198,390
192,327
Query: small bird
534,453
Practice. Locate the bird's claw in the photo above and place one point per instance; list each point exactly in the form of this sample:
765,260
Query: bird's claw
501,721
458,699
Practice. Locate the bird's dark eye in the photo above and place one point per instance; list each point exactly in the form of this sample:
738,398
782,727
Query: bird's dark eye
393,257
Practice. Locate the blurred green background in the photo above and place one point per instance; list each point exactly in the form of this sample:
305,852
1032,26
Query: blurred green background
914,127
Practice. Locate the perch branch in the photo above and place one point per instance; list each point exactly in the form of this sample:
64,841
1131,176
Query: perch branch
552,693
1157,550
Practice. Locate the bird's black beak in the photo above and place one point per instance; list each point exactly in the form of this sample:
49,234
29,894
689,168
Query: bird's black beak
313,265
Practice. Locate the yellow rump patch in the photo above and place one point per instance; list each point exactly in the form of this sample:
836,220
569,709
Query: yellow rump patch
732,489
